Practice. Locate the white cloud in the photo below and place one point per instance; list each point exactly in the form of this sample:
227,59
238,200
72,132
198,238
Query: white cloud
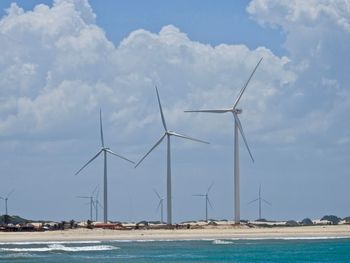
60,68
317,33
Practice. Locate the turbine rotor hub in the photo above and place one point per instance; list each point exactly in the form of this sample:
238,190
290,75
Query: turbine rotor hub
238,111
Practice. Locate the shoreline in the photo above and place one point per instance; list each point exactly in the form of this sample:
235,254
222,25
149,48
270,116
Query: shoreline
235,232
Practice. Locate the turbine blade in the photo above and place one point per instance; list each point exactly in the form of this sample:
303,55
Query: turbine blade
101,130
157,194
94,190
209,188
122,157
159,204
242,133
154,146
93,158
198,195
245,85
209,202
266,201
253,201
2,198
161,111
83,197
210,111
186,137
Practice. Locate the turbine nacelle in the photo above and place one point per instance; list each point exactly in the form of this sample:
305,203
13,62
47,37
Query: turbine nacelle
237,111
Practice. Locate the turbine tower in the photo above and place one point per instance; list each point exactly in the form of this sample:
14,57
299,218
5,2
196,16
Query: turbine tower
92,202
97,205
6,199
238,128
207,201
160,205
259,199
167,134
105,151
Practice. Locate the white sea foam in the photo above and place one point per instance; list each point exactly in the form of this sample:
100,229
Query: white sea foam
221,242
227,239
50,242
60,247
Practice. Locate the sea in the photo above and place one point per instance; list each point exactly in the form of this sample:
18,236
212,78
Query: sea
218,250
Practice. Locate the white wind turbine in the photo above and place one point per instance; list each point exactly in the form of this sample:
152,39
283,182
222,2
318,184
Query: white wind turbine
238,127
207,201
160,205
91,202
105,150
167,134
259,199
97,205
6,200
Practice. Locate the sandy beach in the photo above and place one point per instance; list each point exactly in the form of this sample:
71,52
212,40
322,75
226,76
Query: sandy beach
234,232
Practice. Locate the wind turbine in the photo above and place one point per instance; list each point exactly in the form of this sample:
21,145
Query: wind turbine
207,201
167,134
160,205
97,205
259,199
238,127
6,199
92,202
103,150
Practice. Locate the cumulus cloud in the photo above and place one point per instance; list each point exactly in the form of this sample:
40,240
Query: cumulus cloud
60,67
317,33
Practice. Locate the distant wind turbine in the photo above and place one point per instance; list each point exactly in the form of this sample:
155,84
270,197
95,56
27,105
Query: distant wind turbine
167,134
92,201
259,199
160,205
238,127
105,150
6,198
97,204
207,201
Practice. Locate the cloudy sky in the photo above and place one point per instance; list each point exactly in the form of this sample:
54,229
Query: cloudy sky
63,60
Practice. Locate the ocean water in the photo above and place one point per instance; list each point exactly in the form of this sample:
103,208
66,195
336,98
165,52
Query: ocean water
225,250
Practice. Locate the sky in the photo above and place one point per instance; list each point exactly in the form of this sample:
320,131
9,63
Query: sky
63,60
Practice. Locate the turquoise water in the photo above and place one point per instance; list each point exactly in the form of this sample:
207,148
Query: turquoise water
277,250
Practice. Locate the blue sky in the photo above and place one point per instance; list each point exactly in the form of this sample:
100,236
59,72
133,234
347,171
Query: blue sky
64,61
224,22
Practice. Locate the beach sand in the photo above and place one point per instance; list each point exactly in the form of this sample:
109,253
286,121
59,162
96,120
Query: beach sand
229,232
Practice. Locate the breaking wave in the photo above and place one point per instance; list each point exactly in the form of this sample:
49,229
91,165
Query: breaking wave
49,242
60,247
221,242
